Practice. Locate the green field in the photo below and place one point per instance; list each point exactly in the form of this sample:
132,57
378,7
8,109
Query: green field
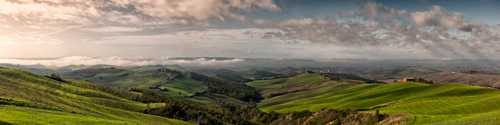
129,79
303,94
437,104
187,87
143,80
34,99
302,79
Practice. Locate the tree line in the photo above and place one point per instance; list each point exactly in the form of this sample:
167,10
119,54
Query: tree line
351,76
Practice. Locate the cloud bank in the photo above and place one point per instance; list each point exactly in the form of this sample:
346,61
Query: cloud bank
117,61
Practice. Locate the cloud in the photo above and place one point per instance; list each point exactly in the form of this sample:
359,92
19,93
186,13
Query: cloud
33,19
348,13
117,61
449,36
377,11
111,29
181,11
439,17
314,30
214,37
194,11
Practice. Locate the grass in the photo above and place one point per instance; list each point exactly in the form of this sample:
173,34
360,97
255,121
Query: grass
71,102
426,104
302,79
187,87
24,115
303,94
129,79
142,80
219,97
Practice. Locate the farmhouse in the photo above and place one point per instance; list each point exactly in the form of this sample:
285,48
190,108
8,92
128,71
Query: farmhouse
409,79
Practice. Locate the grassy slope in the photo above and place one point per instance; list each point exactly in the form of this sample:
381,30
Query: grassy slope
130,79
437,104
142,80
219,97
71,102
303,94
187,87
302,79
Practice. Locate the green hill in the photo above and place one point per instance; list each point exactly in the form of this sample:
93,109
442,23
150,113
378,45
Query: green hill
298,80
424,104
186,87
27,98
122,78
177,85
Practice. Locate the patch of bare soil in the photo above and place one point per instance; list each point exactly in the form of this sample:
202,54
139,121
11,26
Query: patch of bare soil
297,88
394,120
464,78
379,106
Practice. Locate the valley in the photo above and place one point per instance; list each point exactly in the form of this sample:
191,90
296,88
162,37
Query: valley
271,96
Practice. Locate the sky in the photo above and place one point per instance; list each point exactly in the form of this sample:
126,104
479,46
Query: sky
291,29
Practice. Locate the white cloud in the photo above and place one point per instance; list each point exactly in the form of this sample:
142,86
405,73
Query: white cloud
111,29
117,61
439,17
201,10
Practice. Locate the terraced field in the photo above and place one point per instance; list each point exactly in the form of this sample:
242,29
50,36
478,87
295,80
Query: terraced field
25,96
425,104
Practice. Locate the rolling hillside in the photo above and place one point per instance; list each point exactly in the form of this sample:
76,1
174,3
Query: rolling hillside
299,82
122,78
177,85
422,103
463,78
27,98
